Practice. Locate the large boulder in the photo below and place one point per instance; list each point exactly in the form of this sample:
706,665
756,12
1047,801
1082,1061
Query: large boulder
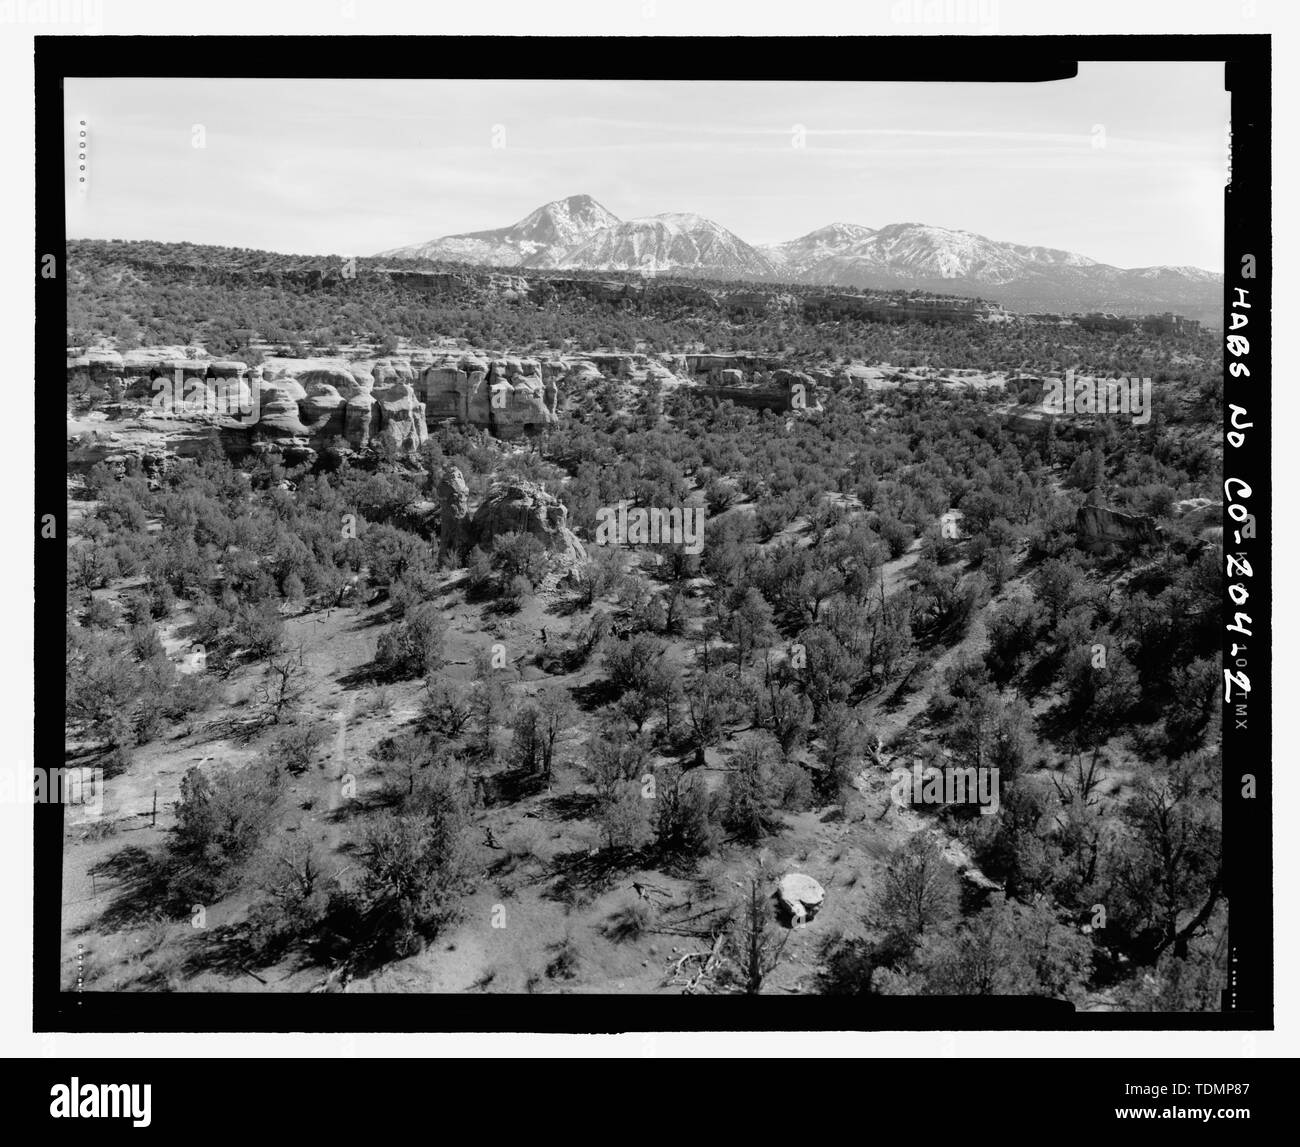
799,897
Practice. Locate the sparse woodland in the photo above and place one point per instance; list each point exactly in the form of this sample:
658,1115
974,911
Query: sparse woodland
374,765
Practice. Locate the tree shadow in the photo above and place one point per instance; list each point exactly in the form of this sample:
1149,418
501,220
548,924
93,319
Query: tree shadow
594,694
586,870
227,950
142,892
573,806
568,606
511,785
372,619
366,675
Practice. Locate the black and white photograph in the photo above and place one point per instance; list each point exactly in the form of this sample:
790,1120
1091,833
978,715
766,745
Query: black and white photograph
657,537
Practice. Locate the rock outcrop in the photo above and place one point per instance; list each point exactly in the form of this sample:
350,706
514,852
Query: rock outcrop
799,897
324,409
398,424
1097,527
453,514
516,506
524,507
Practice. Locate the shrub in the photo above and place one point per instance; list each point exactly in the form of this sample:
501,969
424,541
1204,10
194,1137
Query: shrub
622,818
221,818
685,815
413,875
919,891
413,646
564,964
295,746
791,786
629,921
746,813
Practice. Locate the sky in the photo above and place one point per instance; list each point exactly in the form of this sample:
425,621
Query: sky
1125,163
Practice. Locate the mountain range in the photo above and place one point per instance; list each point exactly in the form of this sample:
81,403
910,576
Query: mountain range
580,234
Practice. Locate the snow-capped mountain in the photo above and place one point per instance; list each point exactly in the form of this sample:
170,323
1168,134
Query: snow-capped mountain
841,254
579,233
673,242
808,250
556,226
920,256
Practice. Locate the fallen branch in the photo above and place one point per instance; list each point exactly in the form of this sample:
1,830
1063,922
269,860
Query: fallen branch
693,984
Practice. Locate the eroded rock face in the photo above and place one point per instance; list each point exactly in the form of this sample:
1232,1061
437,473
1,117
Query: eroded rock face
402,428
1099,528
343,381
279,415
303,410
323,409
509,398
618,364
523,507
357,417
584,370
388,370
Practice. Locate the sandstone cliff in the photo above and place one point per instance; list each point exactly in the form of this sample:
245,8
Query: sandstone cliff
188,402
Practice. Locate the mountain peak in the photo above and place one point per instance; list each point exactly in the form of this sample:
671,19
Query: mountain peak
839,231
564,221
678,241
580,233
